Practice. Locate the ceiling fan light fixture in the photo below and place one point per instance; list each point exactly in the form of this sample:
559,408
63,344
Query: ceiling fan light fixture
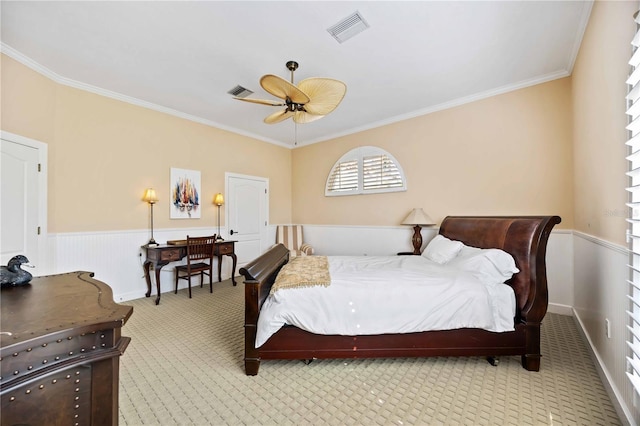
349,27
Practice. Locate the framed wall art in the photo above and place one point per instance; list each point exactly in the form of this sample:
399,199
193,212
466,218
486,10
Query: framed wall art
185,194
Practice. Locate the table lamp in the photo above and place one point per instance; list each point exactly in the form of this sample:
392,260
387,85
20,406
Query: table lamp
218,200
151,198
417,217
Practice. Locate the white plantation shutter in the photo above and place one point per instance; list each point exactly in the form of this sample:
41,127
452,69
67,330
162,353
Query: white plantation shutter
379,171
633,111
365,170
344,176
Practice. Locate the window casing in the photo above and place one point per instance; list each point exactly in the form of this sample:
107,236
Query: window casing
365,170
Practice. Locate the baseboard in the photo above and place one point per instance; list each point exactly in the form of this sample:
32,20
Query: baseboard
557,308
131,295
616,398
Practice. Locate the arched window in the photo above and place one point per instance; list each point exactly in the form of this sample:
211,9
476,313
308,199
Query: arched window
365,170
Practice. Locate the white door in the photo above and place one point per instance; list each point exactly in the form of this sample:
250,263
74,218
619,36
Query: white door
20,194
247,215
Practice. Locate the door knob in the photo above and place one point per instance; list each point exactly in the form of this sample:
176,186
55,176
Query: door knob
231,232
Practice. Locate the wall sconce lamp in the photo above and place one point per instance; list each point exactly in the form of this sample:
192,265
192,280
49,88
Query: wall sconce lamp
218,200
151,198
416,218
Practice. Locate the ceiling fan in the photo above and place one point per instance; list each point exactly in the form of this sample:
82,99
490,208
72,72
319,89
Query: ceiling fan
310,100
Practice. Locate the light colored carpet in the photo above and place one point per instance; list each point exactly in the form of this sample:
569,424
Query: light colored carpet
185,366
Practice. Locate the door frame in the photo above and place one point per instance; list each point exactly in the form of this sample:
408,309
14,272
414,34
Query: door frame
42,149
264,236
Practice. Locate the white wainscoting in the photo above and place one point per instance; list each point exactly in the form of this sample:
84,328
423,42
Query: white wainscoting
560,272
600,277
116,258
363,240
380,241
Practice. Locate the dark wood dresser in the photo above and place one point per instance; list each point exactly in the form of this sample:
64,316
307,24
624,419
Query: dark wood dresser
60,351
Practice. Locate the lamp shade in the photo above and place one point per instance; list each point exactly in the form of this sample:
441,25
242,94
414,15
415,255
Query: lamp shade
218,199
150,196
418,217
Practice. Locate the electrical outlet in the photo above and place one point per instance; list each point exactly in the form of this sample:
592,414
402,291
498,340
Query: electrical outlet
607,328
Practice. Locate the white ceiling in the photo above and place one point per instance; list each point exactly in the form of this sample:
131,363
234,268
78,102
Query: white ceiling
183,57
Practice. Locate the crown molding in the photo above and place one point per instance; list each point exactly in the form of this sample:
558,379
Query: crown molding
582,27
30,63
35,66
446,105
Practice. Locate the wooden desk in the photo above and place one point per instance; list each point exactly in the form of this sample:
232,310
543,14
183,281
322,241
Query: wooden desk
162,254
228,248
60,351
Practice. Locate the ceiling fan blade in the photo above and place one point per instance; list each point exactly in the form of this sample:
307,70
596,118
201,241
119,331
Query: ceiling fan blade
261,101
281,88
279,116
302,117
325,94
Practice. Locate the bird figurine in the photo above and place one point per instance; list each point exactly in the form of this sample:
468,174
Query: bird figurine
12,274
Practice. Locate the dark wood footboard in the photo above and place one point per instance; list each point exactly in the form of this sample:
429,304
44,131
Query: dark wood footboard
259,276
524,237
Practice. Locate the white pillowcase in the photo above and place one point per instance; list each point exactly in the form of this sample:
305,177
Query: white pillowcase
441,249
491,266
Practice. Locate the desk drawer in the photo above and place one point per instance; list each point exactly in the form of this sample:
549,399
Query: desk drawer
224,248
170,255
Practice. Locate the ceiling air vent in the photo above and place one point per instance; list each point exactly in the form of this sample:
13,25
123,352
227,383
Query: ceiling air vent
348,27
239,92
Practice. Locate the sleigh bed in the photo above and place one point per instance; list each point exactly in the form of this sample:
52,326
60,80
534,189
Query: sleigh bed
523,237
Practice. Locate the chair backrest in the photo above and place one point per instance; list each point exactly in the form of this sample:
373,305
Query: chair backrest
290,236
200,247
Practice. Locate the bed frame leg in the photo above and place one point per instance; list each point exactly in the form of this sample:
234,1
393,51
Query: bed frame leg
251,366
531,362
493,360
308,361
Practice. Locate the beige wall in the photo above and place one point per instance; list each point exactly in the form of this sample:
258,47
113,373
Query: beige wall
508,154
28,101
598,93
103,153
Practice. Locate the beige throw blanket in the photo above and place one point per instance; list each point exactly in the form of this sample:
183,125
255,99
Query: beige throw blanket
303,271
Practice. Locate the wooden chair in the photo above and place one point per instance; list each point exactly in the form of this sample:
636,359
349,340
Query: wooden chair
198,250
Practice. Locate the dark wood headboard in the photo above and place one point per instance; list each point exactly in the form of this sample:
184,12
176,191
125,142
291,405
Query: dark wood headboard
525,238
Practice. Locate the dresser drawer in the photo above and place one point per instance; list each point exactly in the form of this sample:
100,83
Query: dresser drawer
72,348
63,397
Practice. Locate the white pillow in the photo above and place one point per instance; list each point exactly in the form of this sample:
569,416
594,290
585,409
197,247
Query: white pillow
491,266
441,249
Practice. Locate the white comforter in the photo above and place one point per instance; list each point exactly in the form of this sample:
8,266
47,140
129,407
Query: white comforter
389,294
